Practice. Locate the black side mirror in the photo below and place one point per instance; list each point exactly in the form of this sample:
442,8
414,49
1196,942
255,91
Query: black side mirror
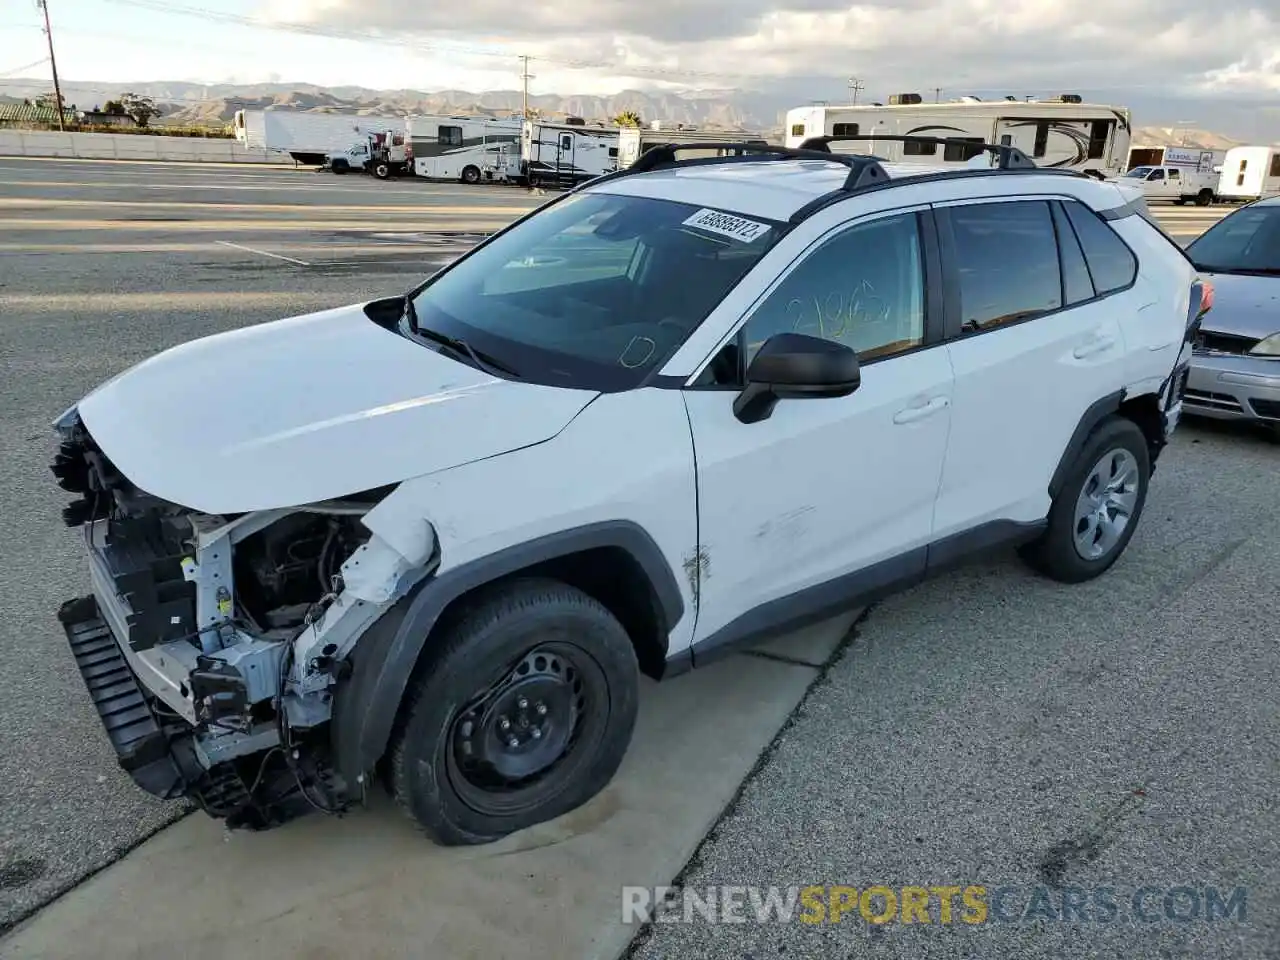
794,366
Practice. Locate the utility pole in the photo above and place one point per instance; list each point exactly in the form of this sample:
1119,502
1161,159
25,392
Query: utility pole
855,85
57,90
937,94
525,76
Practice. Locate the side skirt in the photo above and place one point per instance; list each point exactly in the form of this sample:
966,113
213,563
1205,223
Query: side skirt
851,591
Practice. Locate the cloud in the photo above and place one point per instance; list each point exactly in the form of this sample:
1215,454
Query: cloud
1035,46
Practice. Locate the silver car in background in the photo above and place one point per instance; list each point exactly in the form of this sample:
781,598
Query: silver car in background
1235,370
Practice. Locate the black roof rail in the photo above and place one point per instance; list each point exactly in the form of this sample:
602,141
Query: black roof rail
863,171
1011,158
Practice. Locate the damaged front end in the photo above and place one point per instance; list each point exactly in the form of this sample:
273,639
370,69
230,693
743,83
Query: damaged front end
212,646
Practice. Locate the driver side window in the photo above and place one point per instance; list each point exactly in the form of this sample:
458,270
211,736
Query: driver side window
863,287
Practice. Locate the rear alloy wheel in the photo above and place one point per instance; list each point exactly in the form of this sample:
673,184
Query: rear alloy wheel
1096,511
522,714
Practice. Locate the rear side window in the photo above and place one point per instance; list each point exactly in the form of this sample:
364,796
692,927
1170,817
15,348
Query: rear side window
1007,257
1112,264
1077,285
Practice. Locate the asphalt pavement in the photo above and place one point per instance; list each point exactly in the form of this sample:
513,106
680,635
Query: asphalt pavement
985,729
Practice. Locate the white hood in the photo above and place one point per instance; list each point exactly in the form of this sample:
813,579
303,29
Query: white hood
310,408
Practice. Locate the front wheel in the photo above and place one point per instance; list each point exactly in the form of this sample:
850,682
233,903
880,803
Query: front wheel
522,713
382,170
1094,515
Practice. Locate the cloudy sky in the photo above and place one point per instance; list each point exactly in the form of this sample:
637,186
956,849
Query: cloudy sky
1216,64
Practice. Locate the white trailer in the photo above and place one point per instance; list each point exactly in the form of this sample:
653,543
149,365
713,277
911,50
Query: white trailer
1250,173
307,137
634,141
1062,132
466,148
564,154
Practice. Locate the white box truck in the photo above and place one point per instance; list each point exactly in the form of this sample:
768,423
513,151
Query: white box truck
309,138
1250,173
1177,174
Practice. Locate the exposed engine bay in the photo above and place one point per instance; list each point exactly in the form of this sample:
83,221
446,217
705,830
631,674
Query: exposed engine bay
212,645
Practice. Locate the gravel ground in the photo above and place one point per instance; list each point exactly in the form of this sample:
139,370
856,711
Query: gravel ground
995,729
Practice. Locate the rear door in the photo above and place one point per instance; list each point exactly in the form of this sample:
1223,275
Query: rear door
1032,344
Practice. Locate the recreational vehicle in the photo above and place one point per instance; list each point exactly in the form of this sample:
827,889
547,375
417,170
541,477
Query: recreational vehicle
307,137
1061,132
1250,173
633,141
470,149
564,154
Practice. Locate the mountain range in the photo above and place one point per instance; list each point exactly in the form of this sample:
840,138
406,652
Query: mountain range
192,104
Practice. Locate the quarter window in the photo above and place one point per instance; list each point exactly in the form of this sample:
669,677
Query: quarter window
1112,264
863,288
1007,259
1275,166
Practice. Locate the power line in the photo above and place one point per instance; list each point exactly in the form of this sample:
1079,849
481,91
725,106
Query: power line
25,66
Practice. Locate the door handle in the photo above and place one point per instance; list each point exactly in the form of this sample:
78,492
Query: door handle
1097,345
912,414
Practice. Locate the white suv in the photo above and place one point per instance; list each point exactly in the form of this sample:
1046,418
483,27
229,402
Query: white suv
436,538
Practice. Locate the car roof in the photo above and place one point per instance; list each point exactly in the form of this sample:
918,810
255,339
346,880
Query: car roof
772,189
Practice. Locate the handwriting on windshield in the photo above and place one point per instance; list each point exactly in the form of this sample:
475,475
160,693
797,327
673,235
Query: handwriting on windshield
836,314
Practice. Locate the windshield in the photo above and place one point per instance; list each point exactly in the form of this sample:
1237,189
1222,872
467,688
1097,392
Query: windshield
1247,241
596,291
1138,173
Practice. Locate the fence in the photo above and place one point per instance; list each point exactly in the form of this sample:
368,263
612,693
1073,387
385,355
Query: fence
126,146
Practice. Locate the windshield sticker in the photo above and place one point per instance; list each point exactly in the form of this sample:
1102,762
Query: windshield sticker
727,225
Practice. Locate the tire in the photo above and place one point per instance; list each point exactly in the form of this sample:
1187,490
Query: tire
339,166
1204,198
470,174
1115,441
382,170
540,639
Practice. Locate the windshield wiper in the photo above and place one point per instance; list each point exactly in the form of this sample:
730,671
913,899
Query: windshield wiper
456,344
459,346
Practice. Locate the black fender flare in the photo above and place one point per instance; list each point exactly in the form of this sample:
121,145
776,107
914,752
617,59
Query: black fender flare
367,699
1098,411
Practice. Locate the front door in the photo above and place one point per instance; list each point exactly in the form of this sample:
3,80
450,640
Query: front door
826,496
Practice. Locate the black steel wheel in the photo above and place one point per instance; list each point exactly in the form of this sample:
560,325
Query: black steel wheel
522,713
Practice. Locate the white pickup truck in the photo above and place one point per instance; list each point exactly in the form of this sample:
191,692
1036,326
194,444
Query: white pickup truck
1176,183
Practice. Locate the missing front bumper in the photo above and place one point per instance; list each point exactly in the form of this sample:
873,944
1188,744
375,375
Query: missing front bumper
145,748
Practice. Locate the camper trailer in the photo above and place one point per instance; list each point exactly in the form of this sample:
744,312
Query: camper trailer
634,141
308,138
1062,132
1250,173
470,149
564,154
